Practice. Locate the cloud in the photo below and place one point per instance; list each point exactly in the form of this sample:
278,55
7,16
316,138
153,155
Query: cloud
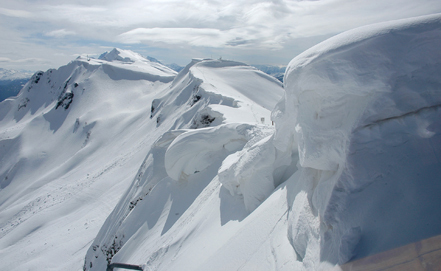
203,36
230,27
60,33
25,60
200,37
15,13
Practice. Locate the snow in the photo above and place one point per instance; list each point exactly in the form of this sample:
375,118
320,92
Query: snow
206,118
350,170
248,172
62,169
195,150
74,137
361,110
140,65
199,179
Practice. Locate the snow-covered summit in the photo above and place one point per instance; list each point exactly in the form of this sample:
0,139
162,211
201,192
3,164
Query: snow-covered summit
121,55
127,58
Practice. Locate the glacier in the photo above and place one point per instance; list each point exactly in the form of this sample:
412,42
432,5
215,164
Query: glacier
121,160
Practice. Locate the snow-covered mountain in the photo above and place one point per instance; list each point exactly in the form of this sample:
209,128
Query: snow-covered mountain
70,142
73,139
120,159
351,169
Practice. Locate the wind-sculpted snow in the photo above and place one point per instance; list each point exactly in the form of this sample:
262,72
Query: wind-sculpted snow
197,120
352,168
249,172
196,150
362,109
218,91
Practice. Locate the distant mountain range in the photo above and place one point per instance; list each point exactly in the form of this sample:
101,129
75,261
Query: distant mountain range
11,82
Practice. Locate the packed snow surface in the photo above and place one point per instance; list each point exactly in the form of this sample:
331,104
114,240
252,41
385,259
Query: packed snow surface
351,169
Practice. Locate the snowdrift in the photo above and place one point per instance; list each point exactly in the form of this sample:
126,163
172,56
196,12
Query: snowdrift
351,169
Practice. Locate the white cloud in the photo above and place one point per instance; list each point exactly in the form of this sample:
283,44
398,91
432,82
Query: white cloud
263,24
60,33
15,13
204,37
229,25
25,60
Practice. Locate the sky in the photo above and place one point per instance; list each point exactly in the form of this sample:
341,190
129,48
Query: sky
43,34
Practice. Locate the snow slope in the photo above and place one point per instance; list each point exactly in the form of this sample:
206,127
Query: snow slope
351,169
212,109
70,142
73,139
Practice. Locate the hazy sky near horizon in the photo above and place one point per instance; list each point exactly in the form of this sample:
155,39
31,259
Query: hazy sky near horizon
42,34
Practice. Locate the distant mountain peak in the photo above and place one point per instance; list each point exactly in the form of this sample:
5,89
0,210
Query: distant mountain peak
127,56
120,55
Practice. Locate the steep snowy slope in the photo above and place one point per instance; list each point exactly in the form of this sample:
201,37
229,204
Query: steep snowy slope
70,142
352,168
212,96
